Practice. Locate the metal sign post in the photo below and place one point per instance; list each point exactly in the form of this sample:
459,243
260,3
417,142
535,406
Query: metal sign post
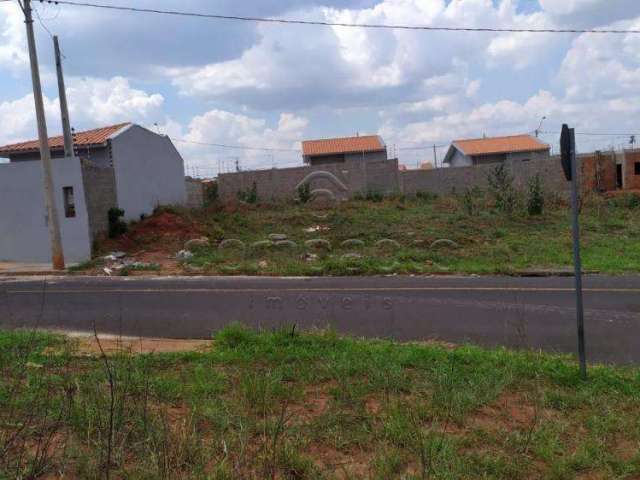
569,165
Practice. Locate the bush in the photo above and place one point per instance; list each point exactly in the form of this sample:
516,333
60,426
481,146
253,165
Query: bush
304,192
427,196
210,193
502,190
469,201
374,196
535,201
250,195
626,200
116,226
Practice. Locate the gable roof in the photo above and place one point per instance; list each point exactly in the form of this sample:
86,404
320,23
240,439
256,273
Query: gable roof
330,146
494,145
89,138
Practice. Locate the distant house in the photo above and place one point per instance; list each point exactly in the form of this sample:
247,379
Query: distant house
479,151
341,150
124,166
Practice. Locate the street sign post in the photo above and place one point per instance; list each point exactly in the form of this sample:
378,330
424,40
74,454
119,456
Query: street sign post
568,157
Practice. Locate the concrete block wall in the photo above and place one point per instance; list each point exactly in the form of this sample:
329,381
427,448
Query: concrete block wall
280,184
100,195
444,181
195,193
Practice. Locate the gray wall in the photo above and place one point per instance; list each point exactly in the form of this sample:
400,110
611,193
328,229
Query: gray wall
100,156
195,192
446,180
458,159
149,171
24,235
100,195
345,157
280,184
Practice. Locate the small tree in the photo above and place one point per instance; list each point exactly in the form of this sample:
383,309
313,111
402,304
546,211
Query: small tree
304,192
535,200
502,190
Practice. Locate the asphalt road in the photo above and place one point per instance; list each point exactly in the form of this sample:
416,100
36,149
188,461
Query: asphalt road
534,313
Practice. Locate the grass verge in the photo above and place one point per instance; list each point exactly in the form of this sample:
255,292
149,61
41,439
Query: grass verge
314,405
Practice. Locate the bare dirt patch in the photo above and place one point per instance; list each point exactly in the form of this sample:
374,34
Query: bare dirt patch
113,345
511,411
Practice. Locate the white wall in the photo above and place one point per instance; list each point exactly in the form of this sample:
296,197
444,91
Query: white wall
24,236
149,172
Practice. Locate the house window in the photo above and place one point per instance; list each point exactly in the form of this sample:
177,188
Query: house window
636,168
69,202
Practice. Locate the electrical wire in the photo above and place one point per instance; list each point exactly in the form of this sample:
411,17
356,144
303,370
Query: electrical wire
236,147
338,24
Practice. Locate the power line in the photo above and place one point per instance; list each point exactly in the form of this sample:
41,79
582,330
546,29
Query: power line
595,134
237,147
337,24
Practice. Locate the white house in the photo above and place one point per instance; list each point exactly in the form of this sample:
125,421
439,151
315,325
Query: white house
124,166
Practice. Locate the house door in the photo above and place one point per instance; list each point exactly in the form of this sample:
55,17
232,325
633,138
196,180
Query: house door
619,175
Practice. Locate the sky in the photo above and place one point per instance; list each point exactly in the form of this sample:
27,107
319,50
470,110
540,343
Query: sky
265,87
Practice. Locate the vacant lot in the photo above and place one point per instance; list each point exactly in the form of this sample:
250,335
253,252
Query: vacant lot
486,240
285,405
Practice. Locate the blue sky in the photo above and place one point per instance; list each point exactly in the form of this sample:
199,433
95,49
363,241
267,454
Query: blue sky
269,85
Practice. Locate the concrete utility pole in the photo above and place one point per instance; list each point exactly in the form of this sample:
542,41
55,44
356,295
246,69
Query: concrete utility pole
435,157
64,109
57,255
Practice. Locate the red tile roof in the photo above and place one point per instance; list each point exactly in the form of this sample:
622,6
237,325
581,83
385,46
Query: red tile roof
330,146
95,137
513,143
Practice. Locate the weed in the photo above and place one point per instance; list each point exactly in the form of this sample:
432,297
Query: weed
249,195
304,192
535,199
502,189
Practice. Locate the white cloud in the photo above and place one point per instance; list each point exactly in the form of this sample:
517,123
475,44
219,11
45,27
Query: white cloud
18,118
92,103
13,44
255,135
338,65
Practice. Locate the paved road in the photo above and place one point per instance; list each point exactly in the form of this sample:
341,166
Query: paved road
517,312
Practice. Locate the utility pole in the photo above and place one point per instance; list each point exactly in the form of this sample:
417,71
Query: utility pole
57,255
435,156
64,109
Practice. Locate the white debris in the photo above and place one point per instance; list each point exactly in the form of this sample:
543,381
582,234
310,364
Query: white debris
184,255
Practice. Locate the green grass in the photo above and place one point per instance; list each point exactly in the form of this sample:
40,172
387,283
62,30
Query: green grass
315,405
490,242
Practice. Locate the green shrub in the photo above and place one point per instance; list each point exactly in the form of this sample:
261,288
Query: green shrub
374,196
535,200
427,196
116,226
210,193
626,200
250,195
468,202
304,192
502,190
